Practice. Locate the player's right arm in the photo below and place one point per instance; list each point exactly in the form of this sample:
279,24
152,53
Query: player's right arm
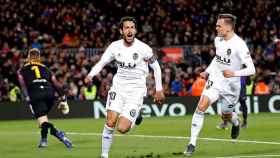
58,87
106,58
62,105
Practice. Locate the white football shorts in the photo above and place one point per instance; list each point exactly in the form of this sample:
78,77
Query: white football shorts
126,104
225,92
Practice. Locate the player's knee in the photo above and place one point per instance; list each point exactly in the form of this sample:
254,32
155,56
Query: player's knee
44,125
202,107
203,104
111,123
227,116
123,129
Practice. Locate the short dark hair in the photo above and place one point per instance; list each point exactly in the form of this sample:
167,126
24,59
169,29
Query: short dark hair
127,18
229,19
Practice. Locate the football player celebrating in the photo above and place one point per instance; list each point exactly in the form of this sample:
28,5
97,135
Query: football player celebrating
125,97
223,75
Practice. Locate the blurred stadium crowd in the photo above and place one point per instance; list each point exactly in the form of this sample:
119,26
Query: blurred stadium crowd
73,34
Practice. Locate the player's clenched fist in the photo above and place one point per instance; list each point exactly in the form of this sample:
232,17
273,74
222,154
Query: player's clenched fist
228,73
204,75
159,97
88,79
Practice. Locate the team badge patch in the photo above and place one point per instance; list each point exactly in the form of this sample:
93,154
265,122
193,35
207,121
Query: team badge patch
132,113
228,52
135,56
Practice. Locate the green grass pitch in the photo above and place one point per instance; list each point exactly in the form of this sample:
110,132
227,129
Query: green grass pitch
19,139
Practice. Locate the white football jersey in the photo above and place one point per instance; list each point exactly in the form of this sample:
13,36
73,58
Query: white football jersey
230,55
132,63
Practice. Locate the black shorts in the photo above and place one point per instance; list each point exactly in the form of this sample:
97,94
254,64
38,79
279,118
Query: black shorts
42,101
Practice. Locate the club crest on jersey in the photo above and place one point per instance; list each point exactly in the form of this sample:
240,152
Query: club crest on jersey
132,113
135,56
228,52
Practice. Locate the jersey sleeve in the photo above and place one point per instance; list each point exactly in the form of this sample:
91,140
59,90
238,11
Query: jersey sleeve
246,59
106,58
108,55
148,53
212,67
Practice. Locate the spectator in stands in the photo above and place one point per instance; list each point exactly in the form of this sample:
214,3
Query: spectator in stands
176,85
14,93
89,92
274,85
87,24
261,87
198,85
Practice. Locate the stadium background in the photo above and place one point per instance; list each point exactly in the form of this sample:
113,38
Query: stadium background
73,35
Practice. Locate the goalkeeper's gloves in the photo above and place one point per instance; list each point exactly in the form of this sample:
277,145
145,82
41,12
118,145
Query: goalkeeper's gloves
63,106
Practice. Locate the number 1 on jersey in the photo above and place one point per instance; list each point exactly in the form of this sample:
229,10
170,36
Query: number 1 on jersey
37,71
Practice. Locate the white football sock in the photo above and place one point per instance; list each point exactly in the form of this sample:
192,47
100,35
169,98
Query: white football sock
197,123
234,119
107,138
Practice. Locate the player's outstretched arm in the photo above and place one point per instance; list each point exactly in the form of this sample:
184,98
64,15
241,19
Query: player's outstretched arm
94,71
62,105
106,58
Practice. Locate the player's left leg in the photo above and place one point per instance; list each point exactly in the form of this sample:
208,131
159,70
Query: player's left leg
233,118
197,123
124,125
43,124
130,113
114,106
209,95
40,109
60,135
108,131
235,126
229,99
229,115
224,124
